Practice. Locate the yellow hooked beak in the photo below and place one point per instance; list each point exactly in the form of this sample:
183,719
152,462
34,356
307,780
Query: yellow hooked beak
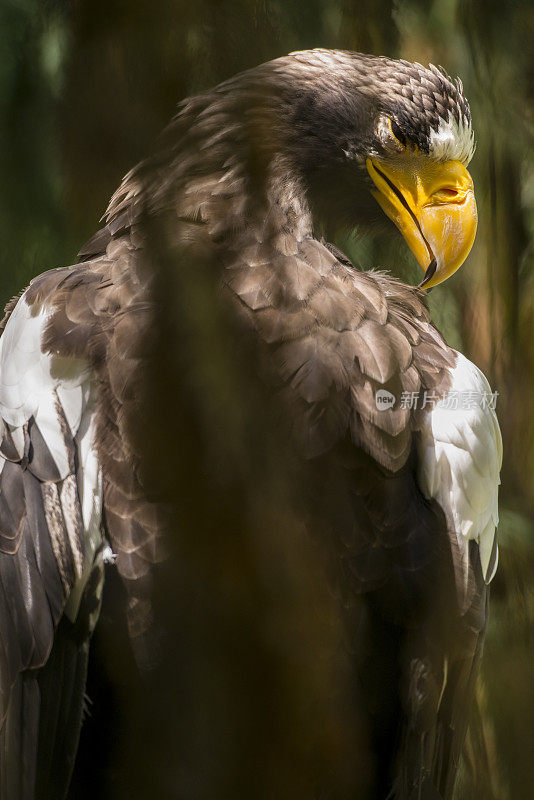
433,207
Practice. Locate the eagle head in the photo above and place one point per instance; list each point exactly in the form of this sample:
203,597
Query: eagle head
365,125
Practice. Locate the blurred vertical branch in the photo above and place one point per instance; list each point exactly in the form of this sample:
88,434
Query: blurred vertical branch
252,696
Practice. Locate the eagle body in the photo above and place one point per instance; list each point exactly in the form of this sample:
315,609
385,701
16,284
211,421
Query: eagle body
244,176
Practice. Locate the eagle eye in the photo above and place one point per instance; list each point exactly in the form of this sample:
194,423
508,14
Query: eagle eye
390,134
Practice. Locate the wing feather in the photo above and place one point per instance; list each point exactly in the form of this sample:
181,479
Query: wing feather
45,560
335,342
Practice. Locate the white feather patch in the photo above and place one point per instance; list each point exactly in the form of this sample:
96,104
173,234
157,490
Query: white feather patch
28,376
41,385
460,455
452,141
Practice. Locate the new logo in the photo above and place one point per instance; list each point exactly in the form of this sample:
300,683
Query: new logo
384,400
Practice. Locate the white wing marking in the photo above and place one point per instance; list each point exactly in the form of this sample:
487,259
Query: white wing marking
52,389
460,455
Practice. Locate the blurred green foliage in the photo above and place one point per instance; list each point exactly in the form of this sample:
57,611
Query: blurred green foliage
85,86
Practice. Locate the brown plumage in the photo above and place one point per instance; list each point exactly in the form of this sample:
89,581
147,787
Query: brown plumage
241,177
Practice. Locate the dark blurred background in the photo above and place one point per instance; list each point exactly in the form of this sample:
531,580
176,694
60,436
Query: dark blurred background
86,85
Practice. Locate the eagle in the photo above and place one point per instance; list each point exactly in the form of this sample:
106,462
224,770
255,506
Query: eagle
257,175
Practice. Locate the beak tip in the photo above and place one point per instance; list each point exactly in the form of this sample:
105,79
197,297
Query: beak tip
429,274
